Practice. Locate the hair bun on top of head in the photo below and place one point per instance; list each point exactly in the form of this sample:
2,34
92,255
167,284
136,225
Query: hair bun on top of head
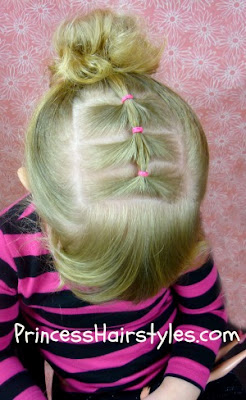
99,44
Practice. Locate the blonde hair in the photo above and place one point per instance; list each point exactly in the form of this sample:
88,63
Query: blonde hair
114,234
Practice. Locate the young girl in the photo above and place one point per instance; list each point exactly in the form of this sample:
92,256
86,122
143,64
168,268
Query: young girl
105,259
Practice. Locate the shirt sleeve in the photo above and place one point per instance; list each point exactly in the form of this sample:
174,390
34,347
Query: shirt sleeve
15,381
199,298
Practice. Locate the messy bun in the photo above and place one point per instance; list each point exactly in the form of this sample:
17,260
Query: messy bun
100,44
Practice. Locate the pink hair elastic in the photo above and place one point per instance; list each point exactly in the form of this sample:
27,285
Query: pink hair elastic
137,129
143,173
126,97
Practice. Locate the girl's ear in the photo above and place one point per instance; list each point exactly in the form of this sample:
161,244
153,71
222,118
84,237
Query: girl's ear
22,177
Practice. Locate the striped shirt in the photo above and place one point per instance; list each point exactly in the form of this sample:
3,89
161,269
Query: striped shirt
115,346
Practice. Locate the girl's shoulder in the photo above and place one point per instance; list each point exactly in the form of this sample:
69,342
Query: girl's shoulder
21,239
20,217
198,270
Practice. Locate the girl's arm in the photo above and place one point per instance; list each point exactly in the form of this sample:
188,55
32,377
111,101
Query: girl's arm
15,380
172,389
200,301
176,388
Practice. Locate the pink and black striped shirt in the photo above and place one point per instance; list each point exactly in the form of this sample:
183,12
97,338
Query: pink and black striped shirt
106,347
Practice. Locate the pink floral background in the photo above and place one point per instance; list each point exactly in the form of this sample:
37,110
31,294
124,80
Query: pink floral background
204,61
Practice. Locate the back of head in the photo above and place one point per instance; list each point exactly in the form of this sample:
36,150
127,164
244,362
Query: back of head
115,234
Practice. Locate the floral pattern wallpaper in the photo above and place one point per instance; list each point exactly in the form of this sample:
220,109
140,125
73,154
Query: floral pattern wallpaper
204,61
